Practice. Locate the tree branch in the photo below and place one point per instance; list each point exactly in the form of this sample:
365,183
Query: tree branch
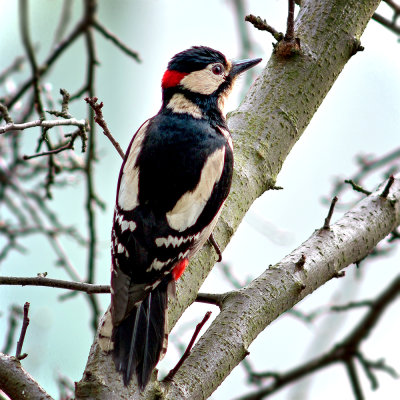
80,123
17,383
25,323
342,352
55,283
246,312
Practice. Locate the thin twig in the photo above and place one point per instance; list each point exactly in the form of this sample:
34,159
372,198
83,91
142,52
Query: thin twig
356,187
55,283
186,354
15,66
81,123
26,40
109,35
63,22
387,23
99,119
385,192
289,36
69,145
25,323
5,113
90,163
354,379
262,25
15,315
330,213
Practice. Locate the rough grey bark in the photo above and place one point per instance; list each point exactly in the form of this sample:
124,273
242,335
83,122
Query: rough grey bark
17,383
247,312
265,127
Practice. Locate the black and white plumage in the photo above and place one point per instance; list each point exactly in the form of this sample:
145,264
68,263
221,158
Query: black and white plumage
173,182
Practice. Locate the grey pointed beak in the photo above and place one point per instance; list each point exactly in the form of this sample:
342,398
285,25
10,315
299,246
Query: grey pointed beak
243,65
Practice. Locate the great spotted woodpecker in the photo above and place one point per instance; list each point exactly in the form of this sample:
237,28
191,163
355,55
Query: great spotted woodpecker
173,182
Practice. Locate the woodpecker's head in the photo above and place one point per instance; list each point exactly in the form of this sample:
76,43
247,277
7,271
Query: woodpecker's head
198,80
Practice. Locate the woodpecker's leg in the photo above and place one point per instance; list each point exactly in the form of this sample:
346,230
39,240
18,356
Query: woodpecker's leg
214,244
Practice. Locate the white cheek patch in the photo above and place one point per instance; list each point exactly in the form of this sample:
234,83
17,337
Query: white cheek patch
203,81
129,185
181,105
189,207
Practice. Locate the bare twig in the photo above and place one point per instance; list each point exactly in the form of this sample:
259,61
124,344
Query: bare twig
68,145
6,115
109,35
56,283
63,22
289,36
44,124
261,24
25,323
15,315
354,379
356,187
389,184
99,119
24,25
185,355
15,66
386,23
330,213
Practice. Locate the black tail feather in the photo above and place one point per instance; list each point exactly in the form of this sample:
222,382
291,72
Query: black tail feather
138,340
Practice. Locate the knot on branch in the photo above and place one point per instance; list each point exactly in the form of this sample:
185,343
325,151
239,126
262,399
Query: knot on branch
287,45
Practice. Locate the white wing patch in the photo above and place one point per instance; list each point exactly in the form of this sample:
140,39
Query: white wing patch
189,207
131,225
157,264
123,223
129,185
175,241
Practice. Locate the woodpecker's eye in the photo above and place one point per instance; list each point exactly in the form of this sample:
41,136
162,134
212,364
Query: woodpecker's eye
217,69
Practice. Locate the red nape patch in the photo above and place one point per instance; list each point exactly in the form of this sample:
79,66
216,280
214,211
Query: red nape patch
172,78
179,268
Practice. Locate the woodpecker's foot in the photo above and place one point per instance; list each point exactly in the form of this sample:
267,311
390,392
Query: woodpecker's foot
214,244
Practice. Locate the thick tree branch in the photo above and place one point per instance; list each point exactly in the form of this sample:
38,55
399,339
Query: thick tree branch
17,383
341,352
246,312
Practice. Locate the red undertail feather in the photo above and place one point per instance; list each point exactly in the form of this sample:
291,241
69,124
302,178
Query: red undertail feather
179,268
